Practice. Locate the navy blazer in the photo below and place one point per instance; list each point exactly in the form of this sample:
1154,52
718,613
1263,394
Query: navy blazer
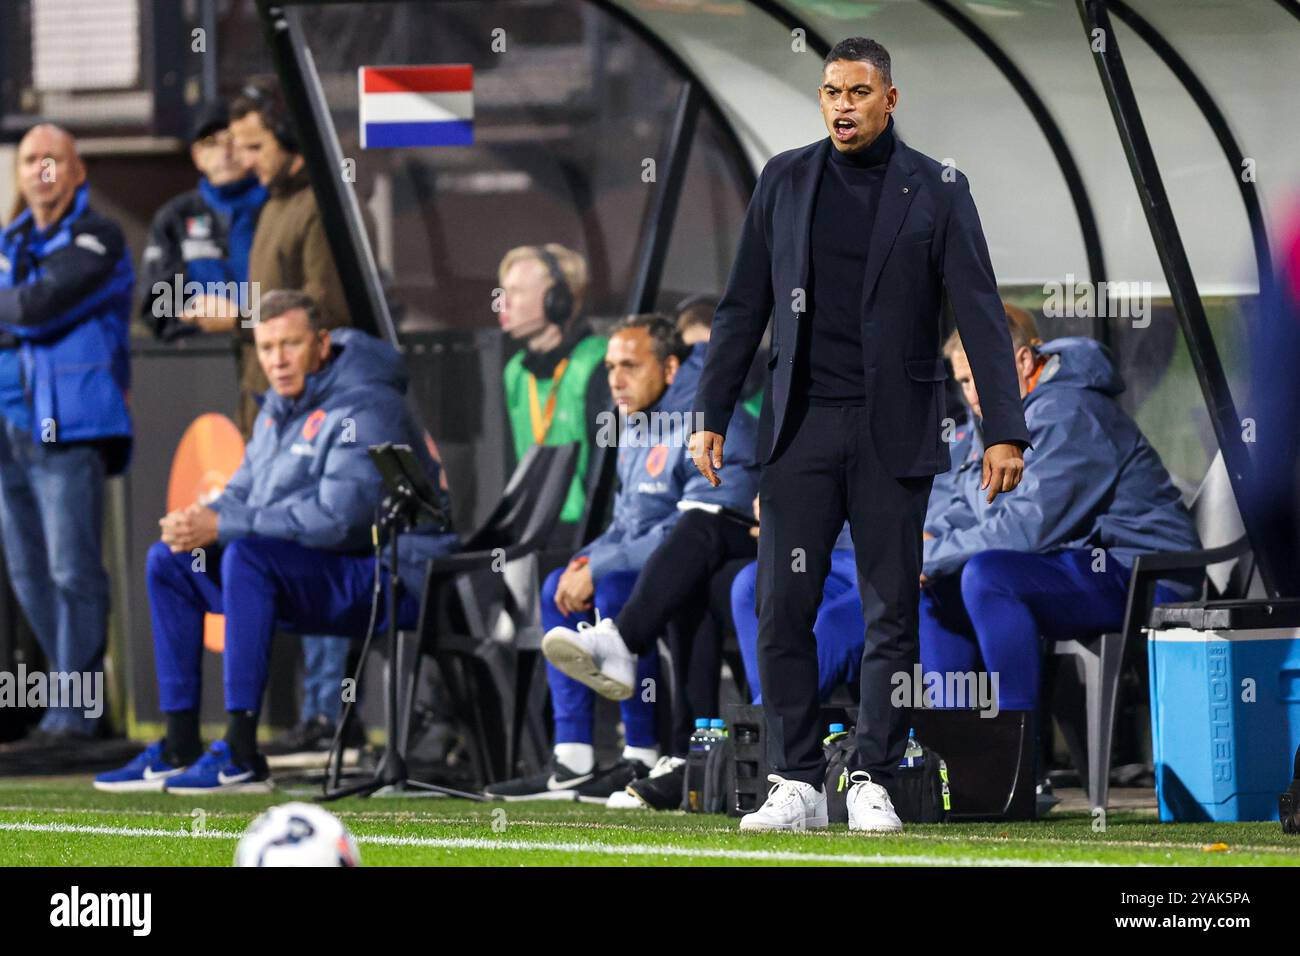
926,241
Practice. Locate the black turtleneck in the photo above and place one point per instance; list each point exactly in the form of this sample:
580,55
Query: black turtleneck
843,214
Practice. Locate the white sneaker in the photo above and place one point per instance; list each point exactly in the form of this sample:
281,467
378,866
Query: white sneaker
665,765
790,805
622,800
594,655
870,809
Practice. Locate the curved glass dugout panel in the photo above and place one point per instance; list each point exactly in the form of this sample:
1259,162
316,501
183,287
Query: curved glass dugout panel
1013,92
569,110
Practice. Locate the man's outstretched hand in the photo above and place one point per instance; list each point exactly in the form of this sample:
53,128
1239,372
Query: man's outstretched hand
706,452
1004,466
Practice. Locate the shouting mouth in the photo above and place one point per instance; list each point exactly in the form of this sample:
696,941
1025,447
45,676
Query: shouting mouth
844,129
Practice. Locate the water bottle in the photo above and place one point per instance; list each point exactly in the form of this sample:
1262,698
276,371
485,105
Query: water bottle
912,755
718,727
699,737
699,745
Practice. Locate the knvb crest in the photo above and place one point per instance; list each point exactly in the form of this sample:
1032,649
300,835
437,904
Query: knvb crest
655,461
311,427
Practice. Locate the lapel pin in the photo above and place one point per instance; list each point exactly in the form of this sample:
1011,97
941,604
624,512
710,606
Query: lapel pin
904,189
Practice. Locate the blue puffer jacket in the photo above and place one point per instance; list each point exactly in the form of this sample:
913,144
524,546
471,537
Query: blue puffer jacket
307,475
654,477
964,446
65,300
1091,478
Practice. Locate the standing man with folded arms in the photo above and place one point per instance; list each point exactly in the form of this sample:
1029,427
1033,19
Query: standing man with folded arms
854,241
65,300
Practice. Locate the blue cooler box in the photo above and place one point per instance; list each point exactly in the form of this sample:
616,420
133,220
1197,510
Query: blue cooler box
1219,754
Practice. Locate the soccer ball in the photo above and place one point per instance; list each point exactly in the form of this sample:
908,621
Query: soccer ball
297,834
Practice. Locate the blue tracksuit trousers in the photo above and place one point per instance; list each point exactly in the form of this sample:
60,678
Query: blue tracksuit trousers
571,701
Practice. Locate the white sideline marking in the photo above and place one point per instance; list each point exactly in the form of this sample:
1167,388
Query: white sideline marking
603,849
415,816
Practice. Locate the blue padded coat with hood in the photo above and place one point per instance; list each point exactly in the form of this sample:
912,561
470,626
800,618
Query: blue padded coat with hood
1091,478
653,477
307,474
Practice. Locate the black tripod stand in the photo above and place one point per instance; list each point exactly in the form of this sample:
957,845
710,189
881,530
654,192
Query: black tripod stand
411,502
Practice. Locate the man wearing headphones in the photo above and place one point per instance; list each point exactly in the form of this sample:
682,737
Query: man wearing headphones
552,397
290,251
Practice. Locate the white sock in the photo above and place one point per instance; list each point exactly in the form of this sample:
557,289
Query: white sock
580,758
647,755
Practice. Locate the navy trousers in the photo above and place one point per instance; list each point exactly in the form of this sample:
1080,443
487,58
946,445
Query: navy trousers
995,612
827,470
261,585
838,629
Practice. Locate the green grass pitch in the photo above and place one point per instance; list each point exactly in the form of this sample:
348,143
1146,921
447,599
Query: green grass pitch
63,822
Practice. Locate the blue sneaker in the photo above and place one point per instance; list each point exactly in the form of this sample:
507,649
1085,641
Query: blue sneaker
148,771
216,772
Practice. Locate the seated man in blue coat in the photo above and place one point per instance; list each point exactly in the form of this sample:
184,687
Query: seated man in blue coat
286,545
652,377
1054,558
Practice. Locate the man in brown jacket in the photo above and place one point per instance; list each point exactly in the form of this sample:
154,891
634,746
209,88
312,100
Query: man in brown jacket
290,250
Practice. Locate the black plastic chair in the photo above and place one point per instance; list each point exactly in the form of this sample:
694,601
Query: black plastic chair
477,617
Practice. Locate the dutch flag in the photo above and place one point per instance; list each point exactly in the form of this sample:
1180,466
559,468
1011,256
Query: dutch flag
416,105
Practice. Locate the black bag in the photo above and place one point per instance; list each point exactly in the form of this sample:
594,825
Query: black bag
838,751
705,787
920,792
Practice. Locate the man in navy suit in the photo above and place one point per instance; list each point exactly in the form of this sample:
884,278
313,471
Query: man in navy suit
853,241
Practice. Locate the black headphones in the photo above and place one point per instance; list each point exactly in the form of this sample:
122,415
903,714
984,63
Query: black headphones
696,298
273,115
558,304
